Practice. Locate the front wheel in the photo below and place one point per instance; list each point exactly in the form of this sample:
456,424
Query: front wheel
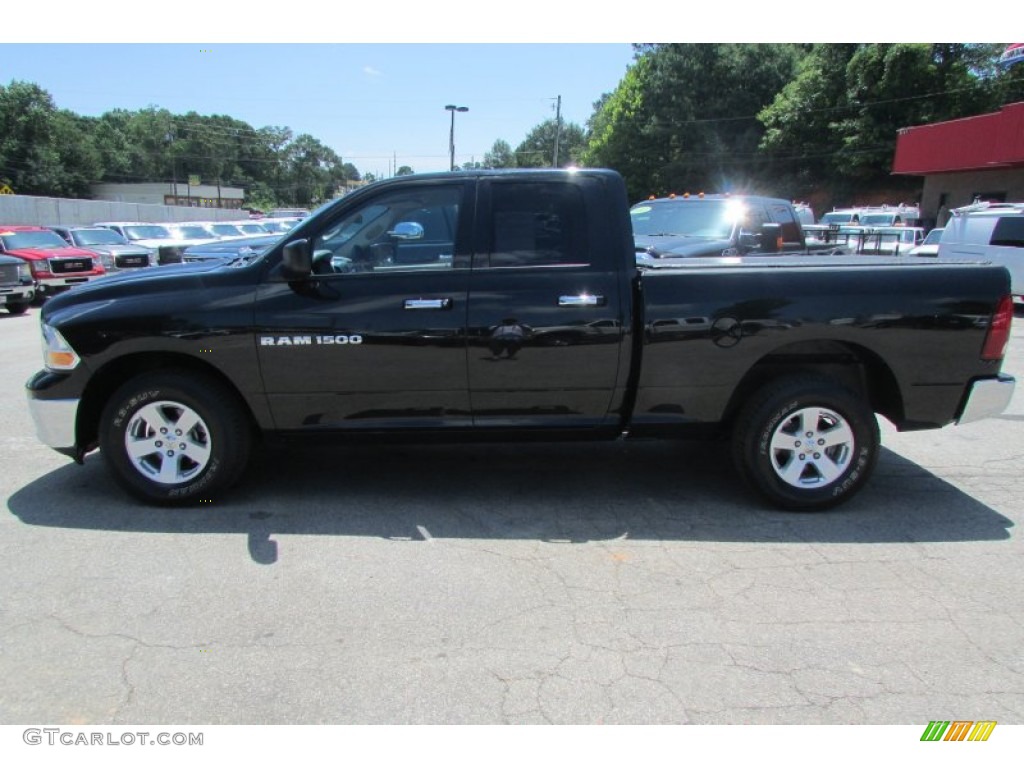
174,438
806,443
18,308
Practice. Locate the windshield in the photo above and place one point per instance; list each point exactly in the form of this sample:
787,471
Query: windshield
253,229
147,232
97,237
878,219
345,230
837,217
933,237
193,232
712,219
226,230
14,240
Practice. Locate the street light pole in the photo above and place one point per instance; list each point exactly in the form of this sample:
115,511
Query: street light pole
451,135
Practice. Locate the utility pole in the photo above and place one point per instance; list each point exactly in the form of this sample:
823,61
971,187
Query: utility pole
558,130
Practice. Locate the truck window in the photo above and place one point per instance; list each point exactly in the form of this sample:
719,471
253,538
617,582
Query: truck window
536,225
782,214
975,230
402,230
1009,232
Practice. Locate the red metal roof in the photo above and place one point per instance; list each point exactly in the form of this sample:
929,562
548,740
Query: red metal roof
984,142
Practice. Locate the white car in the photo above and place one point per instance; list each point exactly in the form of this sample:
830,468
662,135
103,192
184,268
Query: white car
991,232
929,246
228,229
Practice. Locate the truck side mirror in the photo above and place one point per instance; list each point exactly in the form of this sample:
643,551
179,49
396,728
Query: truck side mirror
407,230
771,238
297,260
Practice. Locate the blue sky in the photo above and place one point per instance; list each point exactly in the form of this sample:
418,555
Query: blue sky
371,80
371,103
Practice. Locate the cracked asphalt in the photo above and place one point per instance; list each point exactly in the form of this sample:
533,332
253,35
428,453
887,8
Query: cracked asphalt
546,583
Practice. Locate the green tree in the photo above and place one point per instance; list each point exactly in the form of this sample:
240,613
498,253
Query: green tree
537,150
313,170
404,170
43,150
500,156
684,116
351,173
837,122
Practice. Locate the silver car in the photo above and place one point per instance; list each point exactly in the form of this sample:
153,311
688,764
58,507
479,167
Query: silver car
114,250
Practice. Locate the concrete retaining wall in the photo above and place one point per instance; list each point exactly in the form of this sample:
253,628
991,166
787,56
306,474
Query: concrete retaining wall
43,211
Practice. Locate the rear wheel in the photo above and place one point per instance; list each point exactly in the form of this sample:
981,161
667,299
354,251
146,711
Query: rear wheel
806,443
175,438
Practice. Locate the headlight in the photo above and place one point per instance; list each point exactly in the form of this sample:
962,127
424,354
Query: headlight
24,273
107,260
39,266
153,260
57,353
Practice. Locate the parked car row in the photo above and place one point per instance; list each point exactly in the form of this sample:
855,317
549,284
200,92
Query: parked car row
37,262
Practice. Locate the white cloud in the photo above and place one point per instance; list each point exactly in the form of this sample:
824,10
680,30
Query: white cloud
368,70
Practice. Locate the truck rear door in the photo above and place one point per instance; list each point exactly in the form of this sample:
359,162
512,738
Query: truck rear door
547,307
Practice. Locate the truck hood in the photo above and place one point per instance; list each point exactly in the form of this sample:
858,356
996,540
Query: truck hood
660,246
41,254
114,249
173,278
172,242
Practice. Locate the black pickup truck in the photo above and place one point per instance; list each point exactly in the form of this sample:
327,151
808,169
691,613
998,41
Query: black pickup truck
508,305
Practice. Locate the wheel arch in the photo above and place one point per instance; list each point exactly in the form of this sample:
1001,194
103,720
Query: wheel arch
856,367
106,380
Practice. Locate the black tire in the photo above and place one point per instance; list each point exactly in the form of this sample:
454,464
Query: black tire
209,452
18,308
779,421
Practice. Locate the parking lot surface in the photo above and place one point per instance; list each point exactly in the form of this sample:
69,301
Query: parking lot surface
540,583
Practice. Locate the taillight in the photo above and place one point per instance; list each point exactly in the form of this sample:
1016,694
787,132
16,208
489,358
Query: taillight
998,334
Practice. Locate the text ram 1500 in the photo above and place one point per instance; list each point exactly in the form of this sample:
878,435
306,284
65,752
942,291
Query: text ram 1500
506,305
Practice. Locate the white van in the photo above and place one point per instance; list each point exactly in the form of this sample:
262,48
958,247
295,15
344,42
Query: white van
890,216
992,232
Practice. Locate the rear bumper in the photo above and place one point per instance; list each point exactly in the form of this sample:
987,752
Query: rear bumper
987,398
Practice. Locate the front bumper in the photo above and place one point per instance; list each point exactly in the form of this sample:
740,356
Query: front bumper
17,294
51,285
987,398
55,422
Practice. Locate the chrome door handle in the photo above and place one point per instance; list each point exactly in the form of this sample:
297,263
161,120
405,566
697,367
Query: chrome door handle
427,304
581,300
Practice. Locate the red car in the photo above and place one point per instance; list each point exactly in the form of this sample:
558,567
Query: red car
55,265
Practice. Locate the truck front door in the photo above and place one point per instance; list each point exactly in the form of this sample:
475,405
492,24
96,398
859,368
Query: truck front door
375,338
